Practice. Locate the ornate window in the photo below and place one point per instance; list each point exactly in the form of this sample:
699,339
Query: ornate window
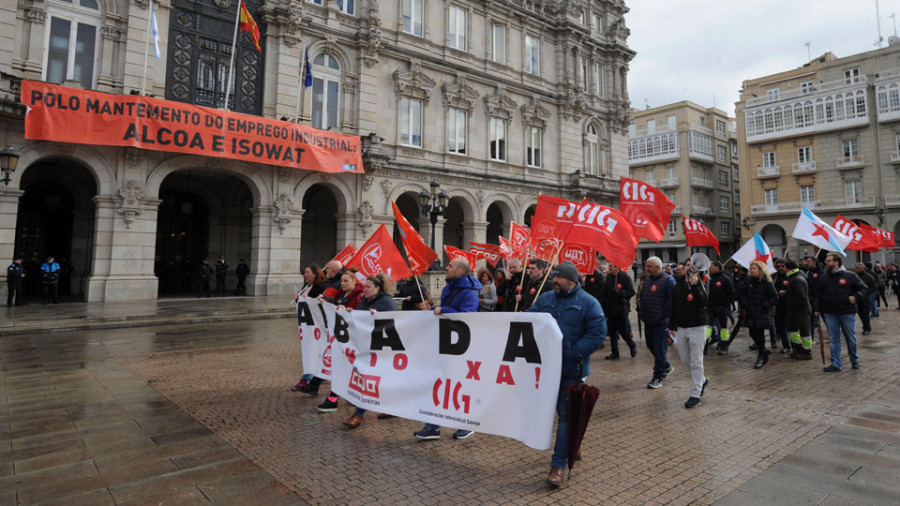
347,6
499,109
414,90
72,42
498,43
200,37
411,122
456,131
413,17
456,29
533,55
326,92
533,138
592,150
497,132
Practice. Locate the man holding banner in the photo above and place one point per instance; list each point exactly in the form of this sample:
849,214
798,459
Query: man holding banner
583,326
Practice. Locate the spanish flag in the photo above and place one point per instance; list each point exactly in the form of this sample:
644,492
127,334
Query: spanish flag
247,24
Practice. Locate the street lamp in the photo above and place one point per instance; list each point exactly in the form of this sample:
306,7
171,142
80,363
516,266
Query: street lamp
433,205
9,159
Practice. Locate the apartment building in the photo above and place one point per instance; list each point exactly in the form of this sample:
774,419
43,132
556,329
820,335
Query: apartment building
825,135
689,153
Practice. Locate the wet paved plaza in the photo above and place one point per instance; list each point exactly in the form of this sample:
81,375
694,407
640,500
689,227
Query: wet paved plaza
195,413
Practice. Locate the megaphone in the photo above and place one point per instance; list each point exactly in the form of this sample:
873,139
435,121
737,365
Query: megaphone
699,262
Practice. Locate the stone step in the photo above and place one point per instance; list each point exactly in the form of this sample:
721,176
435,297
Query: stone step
79,316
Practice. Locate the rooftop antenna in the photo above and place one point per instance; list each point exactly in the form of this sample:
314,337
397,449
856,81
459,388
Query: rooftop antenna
878,21
646,104
893,19
808,55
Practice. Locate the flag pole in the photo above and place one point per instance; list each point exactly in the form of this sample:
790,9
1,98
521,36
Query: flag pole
302,83
237,22
147,44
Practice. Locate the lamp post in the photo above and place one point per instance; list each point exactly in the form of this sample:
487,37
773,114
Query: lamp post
433,205
9,159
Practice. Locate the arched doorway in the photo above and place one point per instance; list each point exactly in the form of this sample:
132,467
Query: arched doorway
453,227
203,214
776,239
56,217
529,213
495,224
319,239
409,208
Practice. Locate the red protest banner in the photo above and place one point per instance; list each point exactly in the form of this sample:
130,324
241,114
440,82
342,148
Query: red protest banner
696,234
165,125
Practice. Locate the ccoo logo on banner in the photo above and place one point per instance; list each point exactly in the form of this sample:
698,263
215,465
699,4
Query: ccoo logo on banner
471,371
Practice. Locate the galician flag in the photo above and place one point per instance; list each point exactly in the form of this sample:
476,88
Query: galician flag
755,249
812,229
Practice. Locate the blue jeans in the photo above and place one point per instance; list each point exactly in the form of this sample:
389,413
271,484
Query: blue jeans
561,448
835,323
657,337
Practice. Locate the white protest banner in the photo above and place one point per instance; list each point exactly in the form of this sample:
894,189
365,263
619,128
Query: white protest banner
496,373
315,336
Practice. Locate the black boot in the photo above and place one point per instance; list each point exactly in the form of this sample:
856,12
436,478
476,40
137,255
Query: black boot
766,354
760,360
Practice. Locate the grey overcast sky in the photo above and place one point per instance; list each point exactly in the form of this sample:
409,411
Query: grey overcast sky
702,50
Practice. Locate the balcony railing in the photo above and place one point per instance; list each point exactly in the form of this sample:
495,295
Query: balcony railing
800,92
802,167
849,162
784,207
768,171
895,156
702,211
702,182
669,182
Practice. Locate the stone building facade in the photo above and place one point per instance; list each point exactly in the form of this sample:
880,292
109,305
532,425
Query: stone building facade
826,136
689,153
498,101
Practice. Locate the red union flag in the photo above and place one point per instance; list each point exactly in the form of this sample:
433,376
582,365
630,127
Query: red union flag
862,236
345,255
420,256
489,252
453,253
646,206
379,254
887,238
606,230
505,249
582,256
697,234
519,239
545,249
553,217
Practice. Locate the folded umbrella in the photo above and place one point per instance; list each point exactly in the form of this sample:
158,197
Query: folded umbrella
582,399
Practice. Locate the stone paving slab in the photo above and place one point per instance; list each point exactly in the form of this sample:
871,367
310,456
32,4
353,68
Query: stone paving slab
202,413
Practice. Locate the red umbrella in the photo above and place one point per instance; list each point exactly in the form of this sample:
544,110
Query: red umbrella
581,403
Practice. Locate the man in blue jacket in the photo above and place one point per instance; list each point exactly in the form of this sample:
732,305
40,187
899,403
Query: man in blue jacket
583,326
460,295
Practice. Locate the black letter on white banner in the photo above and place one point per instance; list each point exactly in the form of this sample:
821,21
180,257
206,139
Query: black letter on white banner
385,335
445,337
304,315
341,329
521,332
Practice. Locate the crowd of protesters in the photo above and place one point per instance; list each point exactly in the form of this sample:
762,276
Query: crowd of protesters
679,304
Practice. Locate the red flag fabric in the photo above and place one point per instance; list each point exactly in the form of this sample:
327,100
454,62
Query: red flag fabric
453,252
506,249
420,256
546,248
489,252
247,24
862,237
553,217
379,254
887,238
606,230
646,206
519,239
697,234
582,256
345,255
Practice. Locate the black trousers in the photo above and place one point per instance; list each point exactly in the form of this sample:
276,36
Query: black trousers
617,325
15,292
51,289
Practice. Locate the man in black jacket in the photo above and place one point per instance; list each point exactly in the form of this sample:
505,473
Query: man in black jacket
615,301
512,284
687,328
838,292
721,296
797,311
864,305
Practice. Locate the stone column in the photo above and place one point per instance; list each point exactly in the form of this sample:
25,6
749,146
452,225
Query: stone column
9,212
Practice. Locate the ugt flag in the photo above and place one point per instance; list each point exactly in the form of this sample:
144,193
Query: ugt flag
379,254
755,249
813,230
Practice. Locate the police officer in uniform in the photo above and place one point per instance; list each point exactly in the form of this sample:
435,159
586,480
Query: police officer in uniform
50,280
14,275
206,274
221,272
